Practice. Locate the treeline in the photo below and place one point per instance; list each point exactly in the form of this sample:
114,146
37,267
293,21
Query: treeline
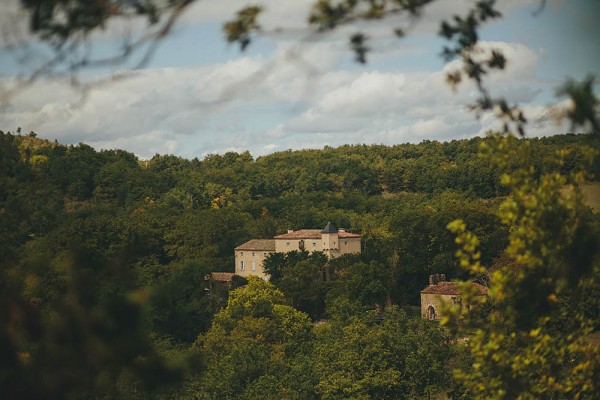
119,178
169,209
104,258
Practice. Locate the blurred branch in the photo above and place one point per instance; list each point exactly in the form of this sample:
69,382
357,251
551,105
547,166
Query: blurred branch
460,31
68,38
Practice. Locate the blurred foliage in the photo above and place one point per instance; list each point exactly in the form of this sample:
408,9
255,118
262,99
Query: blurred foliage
58,20
527,339
73,328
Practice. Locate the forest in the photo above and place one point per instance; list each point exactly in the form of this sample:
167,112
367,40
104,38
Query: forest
104,259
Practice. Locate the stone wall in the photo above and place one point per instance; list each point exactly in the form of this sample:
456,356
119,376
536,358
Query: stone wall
253,263
435,301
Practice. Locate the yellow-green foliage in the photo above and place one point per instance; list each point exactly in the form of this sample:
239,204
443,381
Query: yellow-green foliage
252,344
519,351
591,193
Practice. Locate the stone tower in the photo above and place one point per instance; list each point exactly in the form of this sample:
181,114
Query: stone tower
331,240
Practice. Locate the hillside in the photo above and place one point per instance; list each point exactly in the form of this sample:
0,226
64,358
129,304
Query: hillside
120,248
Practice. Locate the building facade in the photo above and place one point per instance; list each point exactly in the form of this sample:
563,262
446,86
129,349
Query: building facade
249,257
440,293
333,242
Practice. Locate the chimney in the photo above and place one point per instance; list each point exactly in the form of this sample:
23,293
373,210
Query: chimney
290,230
342,229
436,278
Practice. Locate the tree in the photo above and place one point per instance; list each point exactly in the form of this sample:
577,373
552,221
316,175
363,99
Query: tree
81,342
524,342
12,171
181,308
369,284
301,277
255,345
380,356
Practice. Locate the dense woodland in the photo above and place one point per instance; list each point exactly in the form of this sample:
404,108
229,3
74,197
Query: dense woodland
104,256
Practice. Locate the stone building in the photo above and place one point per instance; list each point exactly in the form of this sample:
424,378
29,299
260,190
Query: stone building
221,277
441,292
333,242
249,257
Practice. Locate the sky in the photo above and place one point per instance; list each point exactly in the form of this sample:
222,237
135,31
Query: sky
199,95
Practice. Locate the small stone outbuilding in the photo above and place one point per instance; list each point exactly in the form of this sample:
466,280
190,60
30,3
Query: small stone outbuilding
441,292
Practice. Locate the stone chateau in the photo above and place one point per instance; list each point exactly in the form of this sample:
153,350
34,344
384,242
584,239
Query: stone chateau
249,257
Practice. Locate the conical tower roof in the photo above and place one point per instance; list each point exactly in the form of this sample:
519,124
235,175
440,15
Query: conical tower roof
329,228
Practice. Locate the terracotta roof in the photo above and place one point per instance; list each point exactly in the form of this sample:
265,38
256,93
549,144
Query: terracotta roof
258,245
312,234
450,288
348,235
221,276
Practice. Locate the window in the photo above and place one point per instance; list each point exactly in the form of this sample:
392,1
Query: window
288,244
345,242
253,265
242,253
431,313
252,254
314,245
241,265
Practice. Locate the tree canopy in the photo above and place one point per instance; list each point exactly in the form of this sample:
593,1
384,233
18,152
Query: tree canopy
86,273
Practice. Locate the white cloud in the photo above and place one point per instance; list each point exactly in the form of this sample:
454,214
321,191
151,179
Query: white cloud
153,142
522,62
267,104
271,147
363,94
390,106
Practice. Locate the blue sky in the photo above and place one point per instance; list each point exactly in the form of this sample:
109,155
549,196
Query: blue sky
199,95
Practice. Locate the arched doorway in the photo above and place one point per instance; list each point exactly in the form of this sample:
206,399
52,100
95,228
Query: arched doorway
431,313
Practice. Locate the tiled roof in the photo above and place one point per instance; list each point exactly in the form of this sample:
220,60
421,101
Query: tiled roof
450,288
222,276
348,235
258,245
301,234
312,234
